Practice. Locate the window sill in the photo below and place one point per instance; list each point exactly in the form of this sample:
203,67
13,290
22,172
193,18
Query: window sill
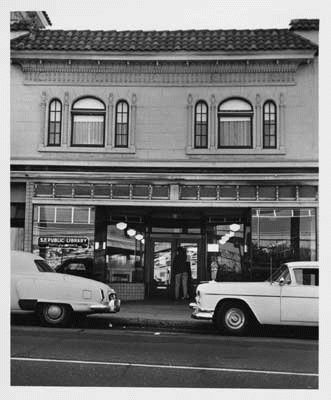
69,149
215,151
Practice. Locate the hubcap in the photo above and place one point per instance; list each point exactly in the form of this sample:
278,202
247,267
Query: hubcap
235,318
54,311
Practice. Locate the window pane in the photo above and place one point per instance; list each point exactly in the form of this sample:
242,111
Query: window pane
235,132
289,233
88,130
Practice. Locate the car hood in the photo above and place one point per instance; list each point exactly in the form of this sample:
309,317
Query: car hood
214,287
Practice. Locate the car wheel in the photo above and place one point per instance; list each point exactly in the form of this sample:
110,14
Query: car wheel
54,314
232,318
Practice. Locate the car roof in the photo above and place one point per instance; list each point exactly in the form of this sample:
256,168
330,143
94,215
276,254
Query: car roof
23,261
302,264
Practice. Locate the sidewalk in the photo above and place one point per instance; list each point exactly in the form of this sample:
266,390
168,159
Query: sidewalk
156,314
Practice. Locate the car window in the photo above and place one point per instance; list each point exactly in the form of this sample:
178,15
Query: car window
76,267
306,276
43,266
281,272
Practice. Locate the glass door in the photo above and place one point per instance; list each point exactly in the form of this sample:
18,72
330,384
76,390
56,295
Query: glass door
163,251
162,255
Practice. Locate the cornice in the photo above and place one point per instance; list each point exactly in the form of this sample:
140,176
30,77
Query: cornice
165,73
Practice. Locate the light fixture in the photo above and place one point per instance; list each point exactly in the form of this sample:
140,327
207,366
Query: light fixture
131,232
121,225
139,236
235,227
142,241
96,245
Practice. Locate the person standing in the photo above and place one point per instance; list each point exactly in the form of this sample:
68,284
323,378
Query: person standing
180,269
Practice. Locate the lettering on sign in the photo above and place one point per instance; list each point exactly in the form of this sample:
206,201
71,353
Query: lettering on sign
62,241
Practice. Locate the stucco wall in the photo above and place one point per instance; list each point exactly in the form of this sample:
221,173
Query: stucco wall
161,118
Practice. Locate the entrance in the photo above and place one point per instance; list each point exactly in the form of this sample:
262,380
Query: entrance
163,252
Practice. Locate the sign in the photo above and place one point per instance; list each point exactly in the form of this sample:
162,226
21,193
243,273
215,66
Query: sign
62,241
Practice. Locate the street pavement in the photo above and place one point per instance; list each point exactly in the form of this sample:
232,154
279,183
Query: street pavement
153,358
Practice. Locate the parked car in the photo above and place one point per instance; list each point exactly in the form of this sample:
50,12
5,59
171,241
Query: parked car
289,297
79,267
55,297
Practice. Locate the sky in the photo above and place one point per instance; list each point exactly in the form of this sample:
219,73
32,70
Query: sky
171,14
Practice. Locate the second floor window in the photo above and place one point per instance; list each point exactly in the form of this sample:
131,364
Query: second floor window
54,123
88,122
122,124
201,125
235,124
269,125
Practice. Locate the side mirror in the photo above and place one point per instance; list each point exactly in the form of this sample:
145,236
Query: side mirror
281,281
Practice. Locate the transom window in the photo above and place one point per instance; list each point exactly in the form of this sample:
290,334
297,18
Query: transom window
201,125
88,122
235,124
122,124
269,125
54,123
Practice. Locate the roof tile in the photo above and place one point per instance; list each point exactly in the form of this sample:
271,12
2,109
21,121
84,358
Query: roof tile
191,40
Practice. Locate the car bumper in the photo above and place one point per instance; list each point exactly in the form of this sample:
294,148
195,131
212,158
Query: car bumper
112,307
199,313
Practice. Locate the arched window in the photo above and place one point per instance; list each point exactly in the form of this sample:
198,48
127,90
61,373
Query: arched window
235,118
269,125
88,122
54,123
201,125
122,124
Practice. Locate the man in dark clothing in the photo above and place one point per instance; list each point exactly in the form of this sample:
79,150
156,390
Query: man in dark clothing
180,270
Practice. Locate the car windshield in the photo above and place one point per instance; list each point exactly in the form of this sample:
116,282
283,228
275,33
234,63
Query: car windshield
281,272
43,266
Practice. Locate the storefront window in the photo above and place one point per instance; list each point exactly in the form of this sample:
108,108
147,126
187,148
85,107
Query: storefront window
125,252
63,232
281,235
226,251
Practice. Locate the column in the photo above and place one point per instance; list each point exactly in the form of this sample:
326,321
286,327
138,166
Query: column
43,120
258,119
65,133
189,131
281,130
133,121
110,140
213,123
28,223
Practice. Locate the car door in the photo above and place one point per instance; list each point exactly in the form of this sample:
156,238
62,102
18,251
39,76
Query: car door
299,298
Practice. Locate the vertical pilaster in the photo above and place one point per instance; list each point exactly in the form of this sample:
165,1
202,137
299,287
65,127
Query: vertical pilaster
133,120
189,131
258,130
212,124
281,122
110,140
65,133
28,223
43,120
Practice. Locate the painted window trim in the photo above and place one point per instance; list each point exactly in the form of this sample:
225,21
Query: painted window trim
116,147
53,100
201,102
82,111
233,113
269,101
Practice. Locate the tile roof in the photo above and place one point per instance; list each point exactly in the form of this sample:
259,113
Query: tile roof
20,26
304,24
163,41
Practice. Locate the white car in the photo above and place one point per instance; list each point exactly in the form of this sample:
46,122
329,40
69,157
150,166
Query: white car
36,287
289,297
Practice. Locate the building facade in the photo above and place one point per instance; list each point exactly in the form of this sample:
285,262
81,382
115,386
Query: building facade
126,145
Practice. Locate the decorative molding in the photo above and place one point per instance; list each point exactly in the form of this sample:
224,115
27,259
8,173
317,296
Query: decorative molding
66,115
171,73
190,123
258,130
